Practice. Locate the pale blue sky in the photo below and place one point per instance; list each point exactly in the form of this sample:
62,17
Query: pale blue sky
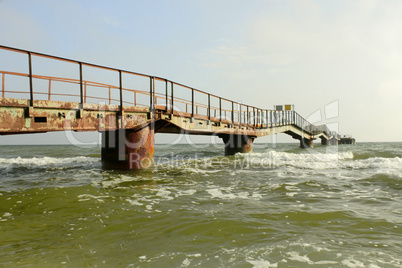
307,53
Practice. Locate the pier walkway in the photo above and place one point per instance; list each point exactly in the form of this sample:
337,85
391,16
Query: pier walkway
43,93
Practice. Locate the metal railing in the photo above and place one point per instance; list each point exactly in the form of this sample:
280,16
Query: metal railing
147,91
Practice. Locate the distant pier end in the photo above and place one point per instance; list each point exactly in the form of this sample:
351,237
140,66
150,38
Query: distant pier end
347,139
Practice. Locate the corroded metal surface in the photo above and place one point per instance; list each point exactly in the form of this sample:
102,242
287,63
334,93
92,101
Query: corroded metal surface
128,149
16,116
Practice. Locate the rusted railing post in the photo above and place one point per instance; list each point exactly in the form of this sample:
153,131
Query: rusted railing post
192,102
121,93
3,85
110,95
85,92
248,117
271,118
220,109
31,94
209,107
81,87
50,89
171,84
240,114
151,101
254,117
166,95
232,114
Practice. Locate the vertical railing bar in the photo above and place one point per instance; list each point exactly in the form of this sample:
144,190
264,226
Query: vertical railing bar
110,95
153,94
240,115
81,87
166,95
220,109
121,92
254,116
135,98
150,94
30,80
85,92
258,117
171,84
248,117
50,89
3,85
232,114
209,106
270,115
284,117
192,102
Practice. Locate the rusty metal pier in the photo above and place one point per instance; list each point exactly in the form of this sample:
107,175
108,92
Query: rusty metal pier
48,93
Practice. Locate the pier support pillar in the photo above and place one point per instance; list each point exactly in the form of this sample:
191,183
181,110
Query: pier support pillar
324,141
237,144
306,143
128,149
333,141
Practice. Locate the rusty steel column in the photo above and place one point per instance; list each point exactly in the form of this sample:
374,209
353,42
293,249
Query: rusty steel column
128,149
306,143
324,141
333,141
237,144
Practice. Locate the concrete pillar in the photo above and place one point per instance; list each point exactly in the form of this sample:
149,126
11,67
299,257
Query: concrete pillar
306,143
237,144
128,149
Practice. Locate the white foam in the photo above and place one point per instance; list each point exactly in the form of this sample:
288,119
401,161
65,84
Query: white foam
305,160
261,264
134,202
352,263
317,161
376,162
87,197
217,193
295,256
164,193
45,161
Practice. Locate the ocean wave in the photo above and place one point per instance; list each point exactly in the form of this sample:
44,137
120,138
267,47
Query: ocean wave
376,162
46,161
273,158
319,161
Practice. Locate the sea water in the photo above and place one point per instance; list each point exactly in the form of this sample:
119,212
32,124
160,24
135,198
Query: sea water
280,206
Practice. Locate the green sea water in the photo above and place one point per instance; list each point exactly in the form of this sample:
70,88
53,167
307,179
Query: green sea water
280,206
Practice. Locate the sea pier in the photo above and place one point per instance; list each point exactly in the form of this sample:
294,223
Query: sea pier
131,107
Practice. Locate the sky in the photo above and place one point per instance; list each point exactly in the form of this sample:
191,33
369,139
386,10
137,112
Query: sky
337,62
